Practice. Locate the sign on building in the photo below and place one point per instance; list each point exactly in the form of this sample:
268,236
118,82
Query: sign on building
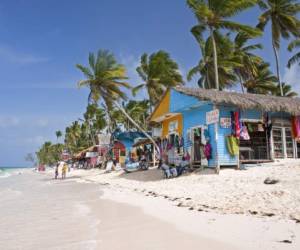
212,116
173,126
225,122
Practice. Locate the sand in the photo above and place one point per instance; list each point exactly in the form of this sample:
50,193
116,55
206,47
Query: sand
235,207
96,210
230,192
38,212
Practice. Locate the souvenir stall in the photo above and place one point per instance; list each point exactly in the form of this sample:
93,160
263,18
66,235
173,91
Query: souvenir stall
250,138
233,127
198,148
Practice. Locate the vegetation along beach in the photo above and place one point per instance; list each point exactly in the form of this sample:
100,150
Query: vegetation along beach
150,125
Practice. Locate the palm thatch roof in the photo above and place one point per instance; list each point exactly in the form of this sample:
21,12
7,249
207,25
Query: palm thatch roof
245,101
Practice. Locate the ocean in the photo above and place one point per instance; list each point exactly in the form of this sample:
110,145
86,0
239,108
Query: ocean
9,171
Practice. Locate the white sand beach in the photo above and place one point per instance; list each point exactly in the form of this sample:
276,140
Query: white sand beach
230,192
38,212
96,210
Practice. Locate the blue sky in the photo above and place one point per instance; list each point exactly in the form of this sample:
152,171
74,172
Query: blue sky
41,41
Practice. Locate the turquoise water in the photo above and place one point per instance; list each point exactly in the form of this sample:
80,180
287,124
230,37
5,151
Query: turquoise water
8,171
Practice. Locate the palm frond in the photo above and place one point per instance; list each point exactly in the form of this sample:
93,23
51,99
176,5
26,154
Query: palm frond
293,60
136,89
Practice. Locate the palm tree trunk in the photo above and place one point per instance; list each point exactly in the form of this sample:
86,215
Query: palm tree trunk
139,128
208,79
215,59
242,86
277,68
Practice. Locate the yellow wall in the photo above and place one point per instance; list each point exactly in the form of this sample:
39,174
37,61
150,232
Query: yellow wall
165,125
163,107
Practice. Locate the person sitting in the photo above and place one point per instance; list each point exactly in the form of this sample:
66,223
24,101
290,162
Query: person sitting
173,171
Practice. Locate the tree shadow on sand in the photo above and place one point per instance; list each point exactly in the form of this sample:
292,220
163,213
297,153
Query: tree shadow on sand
155,174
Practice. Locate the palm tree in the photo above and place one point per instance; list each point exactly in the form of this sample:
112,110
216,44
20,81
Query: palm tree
105,77
287,90
282,14
248,60
58,134
296,58
158,71
263,82
213,15
227,62
138,110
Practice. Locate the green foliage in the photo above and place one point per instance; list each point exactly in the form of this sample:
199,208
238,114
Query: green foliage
105,78
58,134
262,82
282,14
226,64
287,91
137,110
158,72
214,16
296,58
49,153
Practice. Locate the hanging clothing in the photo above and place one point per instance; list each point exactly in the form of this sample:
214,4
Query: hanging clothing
235,123
208,151
244,134
232,145
296,126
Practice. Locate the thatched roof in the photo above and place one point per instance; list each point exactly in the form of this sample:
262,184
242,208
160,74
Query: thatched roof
245,101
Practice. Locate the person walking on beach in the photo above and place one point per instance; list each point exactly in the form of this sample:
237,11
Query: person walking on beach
56,171
64,171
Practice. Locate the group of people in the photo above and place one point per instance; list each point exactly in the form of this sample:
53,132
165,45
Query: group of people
64,168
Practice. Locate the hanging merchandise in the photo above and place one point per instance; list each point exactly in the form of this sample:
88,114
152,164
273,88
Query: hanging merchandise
235,123
260,128
250,127
232,145
244,134
268,124
203,139
181,141
296,126
208,151
232,122
197,132
187,156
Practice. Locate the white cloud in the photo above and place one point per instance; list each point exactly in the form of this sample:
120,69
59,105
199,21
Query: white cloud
14,56
9,121
292,76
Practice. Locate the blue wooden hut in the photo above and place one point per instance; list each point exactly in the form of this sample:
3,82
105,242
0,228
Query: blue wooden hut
199,116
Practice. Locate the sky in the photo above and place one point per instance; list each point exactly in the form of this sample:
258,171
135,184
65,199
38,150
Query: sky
42,41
